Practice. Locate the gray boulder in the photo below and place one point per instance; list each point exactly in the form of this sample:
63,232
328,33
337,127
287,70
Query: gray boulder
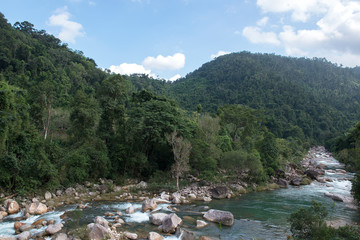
154,236
219,192
102,221
25,227
24,236
54,228
157,218
170,223
282,183
99,232
149,204
296,181
225,217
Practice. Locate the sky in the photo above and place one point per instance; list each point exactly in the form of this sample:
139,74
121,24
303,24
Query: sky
168,39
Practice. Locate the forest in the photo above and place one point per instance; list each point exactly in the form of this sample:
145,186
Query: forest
63,120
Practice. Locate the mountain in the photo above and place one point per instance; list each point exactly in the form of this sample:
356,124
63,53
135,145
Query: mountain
300,97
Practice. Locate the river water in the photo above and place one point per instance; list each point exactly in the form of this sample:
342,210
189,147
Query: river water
259,215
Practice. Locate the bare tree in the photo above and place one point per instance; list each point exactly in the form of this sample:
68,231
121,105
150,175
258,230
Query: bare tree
181,149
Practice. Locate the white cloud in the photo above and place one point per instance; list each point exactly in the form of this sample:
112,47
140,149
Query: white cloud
174,78
177,61
129,68
218,54
335,34
256,35
262,22
70,30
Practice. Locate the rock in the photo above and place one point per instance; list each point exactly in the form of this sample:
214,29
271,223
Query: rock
157,218
154,236
176,195
170,223
60,236
36,208
70,191
39,222
47,196
130,210
282,183
7,238
54,228
101,221
238,188
305,181
13,207
35,200
192,196
102,188
142,184
98,232
131,235
206,238
117,189
201,223
24,236
219,192
165,196
149,204
25,227
176,200
187,235
59,193
296,181
320,180
119,220
3,214
51,221
225,217
17,225
338,197
313,174
109,214
207,199
81,206
321,166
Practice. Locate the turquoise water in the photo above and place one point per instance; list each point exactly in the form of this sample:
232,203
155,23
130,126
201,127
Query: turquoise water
260,215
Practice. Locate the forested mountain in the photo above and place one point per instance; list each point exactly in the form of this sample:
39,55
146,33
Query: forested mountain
300,97
64,121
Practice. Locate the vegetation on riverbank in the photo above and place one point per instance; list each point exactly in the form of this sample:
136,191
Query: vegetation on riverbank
310,223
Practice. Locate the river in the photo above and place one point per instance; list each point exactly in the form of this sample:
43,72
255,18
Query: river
258,215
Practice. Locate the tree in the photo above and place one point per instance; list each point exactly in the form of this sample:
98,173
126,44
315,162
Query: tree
181,149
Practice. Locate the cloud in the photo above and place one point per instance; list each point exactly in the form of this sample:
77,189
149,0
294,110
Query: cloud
174,78
70,30
177,61
333,32
129,68
262,22
218,54
256,35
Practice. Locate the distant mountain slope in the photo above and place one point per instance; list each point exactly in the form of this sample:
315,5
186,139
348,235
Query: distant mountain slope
320,98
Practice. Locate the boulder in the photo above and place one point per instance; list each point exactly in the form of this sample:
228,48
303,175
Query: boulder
59,193
98,232
170,223
142,184
187,235
219,192
296,181
39,222
130,210
192,196
3,214
7,237
24,236
157,218
225,217
36,208
131,235
165,196
25,227
149,204
282,183
176,200
13,207
154,236
314,173
70,191
207,199
17,225
101,221
53,228
201,223
47,196
60,236
338,197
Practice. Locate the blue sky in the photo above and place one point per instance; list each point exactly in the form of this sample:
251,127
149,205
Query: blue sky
170,38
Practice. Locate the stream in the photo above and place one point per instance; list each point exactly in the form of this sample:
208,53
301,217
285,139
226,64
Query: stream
258,215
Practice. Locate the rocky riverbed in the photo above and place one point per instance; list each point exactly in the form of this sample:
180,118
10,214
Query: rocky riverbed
50,215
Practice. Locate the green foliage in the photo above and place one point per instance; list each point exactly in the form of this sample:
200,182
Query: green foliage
309,223
269,153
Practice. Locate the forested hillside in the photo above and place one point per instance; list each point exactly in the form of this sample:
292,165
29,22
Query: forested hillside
64,121
301,98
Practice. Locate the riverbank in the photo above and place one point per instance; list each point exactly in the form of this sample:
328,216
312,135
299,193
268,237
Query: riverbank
82,197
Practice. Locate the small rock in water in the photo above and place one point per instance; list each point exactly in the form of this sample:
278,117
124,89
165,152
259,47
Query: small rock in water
24,236
130,210
154,236
131,235
225,217
201,224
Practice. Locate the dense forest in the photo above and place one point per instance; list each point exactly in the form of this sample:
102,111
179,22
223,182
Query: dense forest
65,121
